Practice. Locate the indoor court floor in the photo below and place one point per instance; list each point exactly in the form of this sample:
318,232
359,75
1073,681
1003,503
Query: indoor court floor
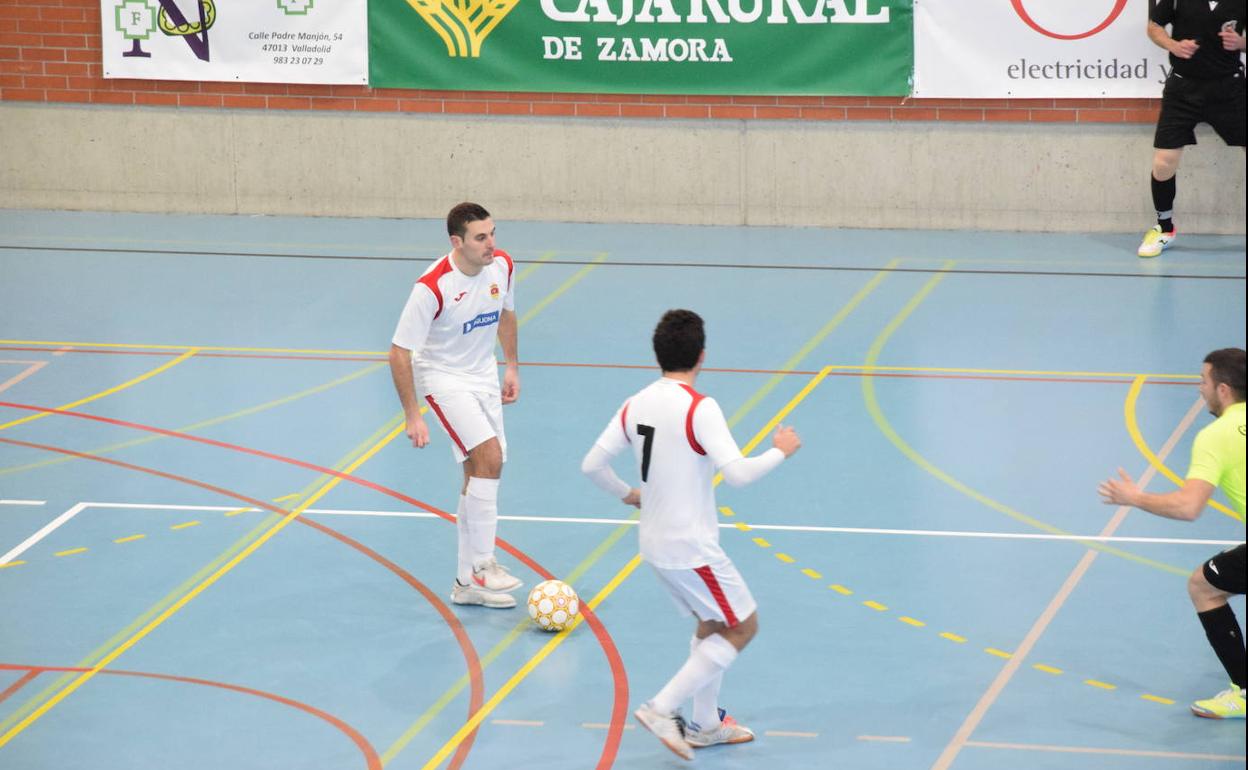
218,550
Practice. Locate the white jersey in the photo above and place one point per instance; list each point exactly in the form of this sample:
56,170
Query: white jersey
679,439
450,324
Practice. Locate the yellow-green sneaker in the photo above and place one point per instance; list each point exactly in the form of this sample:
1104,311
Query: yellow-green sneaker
1228,704
1155,241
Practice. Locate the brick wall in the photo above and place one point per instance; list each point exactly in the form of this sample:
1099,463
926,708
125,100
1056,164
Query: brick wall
50,52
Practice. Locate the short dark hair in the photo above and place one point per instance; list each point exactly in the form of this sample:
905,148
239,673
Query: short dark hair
1228,366
463,213
678,340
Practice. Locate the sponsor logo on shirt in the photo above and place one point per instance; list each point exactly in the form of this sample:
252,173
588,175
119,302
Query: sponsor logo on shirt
485,319
459,296
493,291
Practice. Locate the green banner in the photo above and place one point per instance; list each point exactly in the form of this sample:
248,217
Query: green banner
773,47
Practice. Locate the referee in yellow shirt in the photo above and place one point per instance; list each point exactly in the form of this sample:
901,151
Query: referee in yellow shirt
1217,460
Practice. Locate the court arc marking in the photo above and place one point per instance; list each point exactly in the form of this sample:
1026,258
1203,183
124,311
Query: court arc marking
1133,429
370,754
452,621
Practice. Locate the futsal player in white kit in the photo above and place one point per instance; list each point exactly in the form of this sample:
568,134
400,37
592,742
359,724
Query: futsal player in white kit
442,354
680,439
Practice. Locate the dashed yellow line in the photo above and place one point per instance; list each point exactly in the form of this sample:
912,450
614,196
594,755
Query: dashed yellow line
784,557
953,637
911,621
185,524
6,565
840,589
1157,699
875,606
1100,685
129,539
238,511
761,543
741,525
1046,669
70,552
727,511
810,573
998,653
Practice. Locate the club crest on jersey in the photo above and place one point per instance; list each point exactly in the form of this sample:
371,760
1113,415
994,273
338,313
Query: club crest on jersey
485,319
493,291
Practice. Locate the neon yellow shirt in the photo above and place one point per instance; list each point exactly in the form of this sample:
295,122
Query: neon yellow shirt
1218,455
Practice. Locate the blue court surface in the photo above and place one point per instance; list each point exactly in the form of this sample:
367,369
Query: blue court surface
221,552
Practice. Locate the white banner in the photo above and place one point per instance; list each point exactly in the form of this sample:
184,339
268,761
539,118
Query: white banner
1035,49
257,41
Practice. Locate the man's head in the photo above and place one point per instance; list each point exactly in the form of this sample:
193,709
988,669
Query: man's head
472,235
679,340
1222,379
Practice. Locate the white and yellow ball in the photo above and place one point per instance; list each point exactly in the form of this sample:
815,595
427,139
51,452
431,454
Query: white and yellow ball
553,605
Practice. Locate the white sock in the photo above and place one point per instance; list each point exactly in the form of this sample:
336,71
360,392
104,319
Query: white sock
706,701
481,514
463,569
711,659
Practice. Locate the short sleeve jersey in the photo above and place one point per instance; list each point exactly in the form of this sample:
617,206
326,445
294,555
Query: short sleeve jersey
450,323
1201,20
679,439
1218,455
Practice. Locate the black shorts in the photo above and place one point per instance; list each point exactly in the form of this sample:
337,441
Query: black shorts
1225,571
1186,102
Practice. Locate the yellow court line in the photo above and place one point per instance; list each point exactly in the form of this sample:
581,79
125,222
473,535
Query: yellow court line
952,637
875,606
811,344
840,589
186,598
70,552
184,525
1133,429
530,269
573,280
197,348
1100,685
1016,372
201,424
129,383
883,425
129,539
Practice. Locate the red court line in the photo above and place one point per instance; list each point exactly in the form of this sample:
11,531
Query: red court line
619,677
19,684
370,754
643,367
477,686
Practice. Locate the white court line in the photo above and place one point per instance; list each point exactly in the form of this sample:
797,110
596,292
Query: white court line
23,502
42,533
33,367
1116,752
633,522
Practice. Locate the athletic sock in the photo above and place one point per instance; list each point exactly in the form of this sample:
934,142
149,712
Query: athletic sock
481,515
1222,629
463,567
706,701
1163,201
711,659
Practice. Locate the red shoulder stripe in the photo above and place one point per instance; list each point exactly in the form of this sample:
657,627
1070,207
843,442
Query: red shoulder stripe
430,280
693,405
624,422
511,266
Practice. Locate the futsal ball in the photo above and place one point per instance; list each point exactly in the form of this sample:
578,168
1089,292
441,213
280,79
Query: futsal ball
553,605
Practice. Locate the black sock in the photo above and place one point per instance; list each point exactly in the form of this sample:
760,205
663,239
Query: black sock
1163,201
1224,636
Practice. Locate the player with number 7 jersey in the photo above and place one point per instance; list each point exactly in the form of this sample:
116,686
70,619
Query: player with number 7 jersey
679,440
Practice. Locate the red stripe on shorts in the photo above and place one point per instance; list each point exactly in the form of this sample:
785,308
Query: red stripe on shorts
717,592
449,430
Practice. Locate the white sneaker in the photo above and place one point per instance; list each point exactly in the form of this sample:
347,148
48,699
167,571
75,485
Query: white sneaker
727,732
462,594
665,728
492,576
1155,241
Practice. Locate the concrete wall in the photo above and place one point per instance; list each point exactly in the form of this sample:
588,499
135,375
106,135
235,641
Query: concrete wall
1001,176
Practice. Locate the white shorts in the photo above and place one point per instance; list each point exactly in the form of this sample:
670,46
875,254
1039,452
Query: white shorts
469,419
714,592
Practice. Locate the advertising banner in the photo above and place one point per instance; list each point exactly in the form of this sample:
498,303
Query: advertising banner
266,41
1035,49
813,47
